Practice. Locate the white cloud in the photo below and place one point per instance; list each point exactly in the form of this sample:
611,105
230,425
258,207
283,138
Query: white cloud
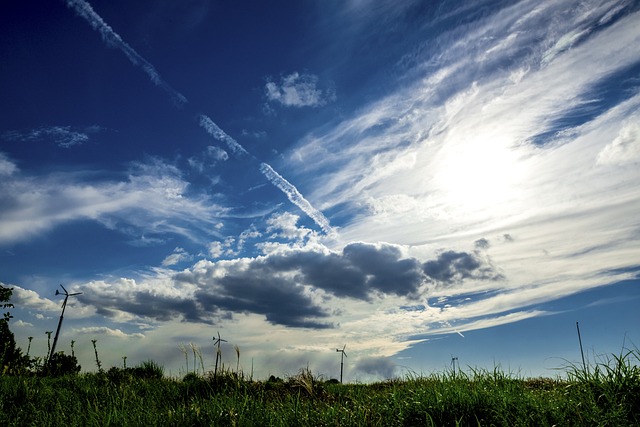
153,199
22,324
454,158
62,136
179,255
30,299
298,90
103,330
7,167
625,148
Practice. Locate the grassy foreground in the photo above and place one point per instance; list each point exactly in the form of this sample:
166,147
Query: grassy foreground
607,395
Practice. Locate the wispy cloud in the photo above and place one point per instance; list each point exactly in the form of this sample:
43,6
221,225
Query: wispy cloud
458,155
298,90
153,199
62,136
7,167
112,39
179,255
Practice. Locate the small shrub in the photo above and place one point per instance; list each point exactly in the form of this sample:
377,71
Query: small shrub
149,369
60,364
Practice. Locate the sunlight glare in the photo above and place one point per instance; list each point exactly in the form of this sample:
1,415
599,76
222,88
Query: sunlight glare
479,173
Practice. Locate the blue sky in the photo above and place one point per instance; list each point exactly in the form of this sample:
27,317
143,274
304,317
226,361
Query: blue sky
416,180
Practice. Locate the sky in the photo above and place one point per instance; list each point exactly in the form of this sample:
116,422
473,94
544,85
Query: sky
419,181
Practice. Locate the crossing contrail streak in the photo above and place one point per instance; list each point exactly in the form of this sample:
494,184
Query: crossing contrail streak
296,198
112,39
215,131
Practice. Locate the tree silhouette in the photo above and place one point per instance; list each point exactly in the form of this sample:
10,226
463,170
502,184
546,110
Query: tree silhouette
11,358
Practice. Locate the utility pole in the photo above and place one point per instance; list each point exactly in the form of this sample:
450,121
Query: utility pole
342,356
64,305
584,365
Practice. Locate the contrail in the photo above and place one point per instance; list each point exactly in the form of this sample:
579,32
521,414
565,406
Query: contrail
274,177
215,131
296,198
112,39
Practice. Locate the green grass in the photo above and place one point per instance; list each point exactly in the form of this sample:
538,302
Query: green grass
606,394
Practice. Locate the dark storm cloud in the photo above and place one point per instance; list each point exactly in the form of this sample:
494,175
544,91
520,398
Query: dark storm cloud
330,272
145,304
453,267
361,269
281,301
482,244
384,270
289,288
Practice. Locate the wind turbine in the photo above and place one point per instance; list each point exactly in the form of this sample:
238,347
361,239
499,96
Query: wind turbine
342,356
454,359
64,305
216,342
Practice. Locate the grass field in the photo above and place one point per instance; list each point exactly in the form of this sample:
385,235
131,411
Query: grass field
607,394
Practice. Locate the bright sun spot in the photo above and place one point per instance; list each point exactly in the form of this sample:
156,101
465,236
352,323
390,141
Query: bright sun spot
479,173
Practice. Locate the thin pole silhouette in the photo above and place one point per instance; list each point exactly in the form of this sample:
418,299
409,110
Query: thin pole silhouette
218,354
584,365
64,305
342,356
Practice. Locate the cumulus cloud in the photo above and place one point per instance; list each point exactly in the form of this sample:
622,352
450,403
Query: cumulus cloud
453,267
103,330
298,90
293,288
22,324
625,148
32,300
482,243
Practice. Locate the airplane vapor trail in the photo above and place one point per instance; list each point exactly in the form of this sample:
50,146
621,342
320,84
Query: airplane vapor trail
296,198
113,39
215,131
272,176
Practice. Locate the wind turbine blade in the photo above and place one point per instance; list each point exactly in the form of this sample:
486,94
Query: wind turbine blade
65,291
